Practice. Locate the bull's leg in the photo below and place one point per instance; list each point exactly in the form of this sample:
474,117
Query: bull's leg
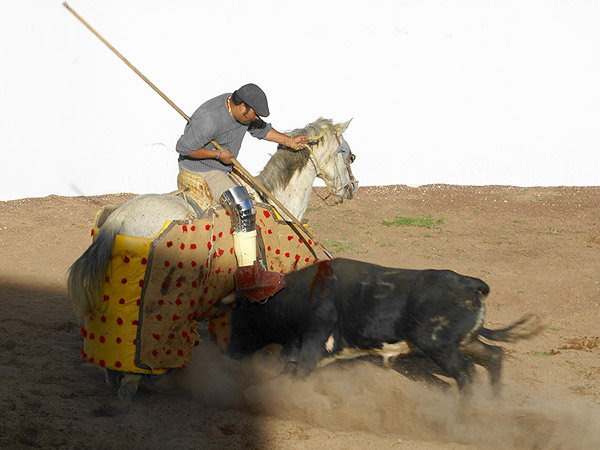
291,354
452,362
311,351
488,356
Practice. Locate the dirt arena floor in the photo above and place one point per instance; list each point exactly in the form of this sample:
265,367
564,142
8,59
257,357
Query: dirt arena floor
538,249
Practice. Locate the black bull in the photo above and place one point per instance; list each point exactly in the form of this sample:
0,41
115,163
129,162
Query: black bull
343,304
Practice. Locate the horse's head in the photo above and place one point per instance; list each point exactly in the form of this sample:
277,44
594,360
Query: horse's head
290,174
331,156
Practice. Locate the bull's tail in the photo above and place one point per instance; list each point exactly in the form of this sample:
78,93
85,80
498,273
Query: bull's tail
511,333
87,273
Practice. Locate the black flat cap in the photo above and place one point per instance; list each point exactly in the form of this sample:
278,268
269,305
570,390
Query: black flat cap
255,98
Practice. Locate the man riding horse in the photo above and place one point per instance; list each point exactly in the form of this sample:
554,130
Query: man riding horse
226,119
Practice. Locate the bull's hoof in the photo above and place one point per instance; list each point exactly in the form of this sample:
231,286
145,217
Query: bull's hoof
290,368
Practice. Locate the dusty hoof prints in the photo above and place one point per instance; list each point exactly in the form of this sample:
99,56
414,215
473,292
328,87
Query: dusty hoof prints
228,429
111,409
104,411
524,241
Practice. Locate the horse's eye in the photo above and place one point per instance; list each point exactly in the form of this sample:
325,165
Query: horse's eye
351,158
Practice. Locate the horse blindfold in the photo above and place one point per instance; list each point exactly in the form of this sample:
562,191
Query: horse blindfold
344,149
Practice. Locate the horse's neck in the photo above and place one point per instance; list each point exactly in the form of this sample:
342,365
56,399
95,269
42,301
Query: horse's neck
296,194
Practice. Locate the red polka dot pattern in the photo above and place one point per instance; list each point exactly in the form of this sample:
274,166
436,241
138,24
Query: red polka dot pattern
150,320
284,252
109,337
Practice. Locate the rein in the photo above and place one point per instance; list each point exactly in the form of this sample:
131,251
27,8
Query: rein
236,164
347,162
321,173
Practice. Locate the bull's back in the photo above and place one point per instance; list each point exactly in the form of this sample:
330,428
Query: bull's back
370,300
378,304
363,304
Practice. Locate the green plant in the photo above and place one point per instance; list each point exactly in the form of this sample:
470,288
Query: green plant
337,246
421,222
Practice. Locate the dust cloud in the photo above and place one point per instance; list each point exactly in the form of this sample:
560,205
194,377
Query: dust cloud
360,395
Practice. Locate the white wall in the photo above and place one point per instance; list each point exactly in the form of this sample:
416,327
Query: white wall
460,92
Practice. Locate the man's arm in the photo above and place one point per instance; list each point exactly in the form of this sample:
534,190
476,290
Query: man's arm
208,153
198,132
296,142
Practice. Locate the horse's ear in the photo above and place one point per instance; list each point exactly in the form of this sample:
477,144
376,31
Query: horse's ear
341,127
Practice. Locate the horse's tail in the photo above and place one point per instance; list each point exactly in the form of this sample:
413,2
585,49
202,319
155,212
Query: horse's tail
87,273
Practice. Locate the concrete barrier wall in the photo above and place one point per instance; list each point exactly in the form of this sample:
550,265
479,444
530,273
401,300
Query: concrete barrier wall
461,92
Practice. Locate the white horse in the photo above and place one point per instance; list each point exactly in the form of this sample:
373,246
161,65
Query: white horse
289,175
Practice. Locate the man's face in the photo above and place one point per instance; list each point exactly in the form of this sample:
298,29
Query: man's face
244,116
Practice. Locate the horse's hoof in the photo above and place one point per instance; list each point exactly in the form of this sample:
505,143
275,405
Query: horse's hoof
125,395
113,378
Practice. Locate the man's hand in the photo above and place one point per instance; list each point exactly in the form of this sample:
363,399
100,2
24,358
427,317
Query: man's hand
298,142
226,156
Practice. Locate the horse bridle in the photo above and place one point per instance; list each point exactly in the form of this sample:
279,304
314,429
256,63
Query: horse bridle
342,145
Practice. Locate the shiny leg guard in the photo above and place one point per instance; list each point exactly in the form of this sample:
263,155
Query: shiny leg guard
251,279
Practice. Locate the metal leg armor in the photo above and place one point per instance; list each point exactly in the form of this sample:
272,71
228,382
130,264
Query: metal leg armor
251,279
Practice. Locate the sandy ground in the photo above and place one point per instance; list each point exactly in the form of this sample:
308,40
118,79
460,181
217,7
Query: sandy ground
538,249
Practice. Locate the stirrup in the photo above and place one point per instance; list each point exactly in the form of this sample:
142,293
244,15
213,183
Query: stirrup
256,283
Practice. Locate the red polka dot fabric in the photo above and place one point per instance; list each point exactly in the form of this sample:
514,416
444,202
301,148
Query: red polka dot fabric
156,291
109,337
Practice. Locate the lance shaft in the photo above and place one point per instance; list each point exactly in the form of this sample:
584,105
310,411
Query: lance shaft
122,58
236,164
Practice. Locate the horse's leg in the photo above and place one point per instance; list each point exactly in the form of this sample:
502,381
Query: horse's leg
113,377
129,386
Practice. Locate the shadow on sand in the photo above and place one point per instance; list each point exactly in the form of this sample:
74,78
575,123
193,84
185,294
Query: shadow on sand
50,397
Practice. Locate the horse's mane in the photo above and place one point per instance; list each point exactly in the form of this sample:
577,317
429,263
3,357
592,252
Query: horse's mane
279,170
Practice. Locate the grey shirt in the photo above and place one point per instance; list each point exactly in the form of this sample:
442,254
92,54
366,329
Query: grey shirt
212,121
